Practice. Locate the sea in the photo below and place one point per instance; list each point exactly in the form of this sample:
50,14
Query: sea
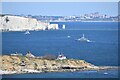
101,51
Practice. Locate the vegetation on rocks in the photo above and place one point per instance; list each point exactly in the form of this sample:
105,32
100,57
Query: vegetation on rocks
23,64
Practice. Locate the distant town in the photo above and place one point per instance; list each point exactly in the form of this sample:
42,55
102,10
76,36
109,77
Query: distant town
97,17
10,22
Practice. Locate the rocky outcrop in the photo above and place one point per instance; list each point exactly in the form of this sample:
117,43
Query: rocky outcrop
13,63
17,23
23,64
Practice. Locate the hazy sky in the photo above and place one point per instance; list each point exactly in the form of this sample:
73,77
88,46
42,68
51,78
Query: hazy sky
61,0
59,8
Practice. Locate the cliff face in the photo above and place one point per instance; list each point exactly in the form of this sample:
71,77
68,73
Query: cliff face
17,23
13,63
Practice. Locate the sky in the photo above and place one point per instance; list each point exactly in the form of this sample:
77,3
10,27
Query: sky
59,8
60,0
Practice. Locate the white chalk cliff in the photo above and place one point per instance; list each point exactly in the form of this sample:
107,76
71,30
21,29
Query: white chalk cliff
17,23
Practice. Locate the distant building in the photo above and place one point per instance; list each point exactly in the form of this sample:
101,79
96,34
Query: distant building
29,54
61,57
16,54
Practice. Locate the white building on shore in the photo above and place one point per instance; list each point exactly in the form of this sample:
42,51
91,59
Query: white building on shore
30,55
61,57
16,54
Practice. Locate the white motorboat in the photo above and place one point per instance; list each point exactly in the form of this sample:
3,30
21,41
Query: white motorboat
83,39
27,32
68,36
105,73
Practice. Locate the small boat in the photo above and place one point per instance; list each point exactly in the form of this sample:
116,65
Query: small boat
68,36
83,39
27,32
105,73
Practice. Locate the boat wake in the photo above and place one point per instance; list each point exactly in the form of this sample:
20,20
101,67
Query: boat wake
92,41
107,42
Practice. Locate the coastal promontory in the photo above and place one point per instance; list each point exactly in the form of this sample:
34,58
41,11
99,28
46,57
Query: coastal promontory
22,64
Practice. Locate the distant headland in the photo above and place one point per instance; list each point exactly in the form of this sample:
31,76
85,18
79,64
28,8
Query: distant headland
18,23
17,63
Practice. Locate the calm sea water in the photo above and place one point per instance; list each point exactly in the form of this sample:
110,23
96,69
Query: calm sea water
78,74
102,51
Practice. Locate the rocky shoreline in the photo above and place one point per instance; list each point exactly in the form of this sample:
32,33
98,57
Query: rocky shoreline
23,64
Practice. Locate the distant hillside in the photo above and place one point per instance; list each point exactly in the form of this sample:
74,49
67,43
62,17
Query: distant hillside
17,23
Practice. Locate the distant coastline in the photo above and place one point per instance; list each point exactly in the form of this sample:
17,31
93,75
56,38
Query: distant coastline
24,23
85,21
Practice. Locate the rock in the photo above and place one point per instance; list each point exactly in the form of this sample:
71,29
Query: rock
17,23
12,63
